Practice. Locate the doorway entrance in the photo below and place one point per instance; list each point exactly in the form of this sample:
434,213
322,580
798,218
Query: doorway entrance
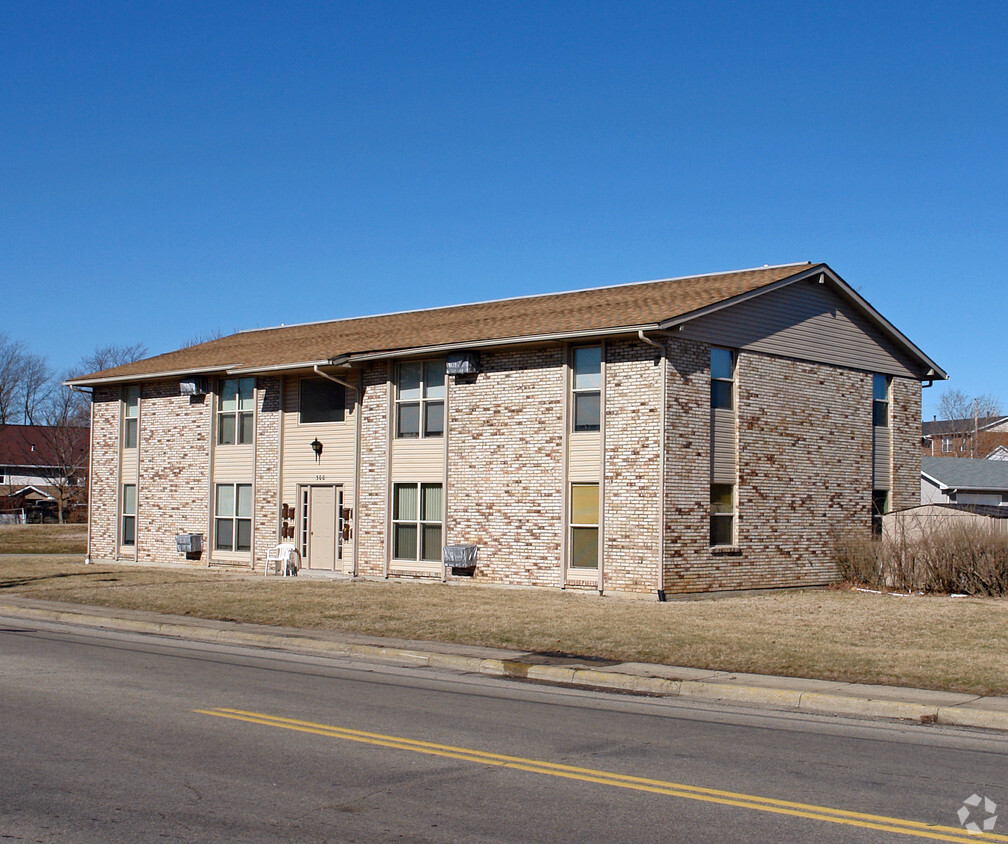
321,536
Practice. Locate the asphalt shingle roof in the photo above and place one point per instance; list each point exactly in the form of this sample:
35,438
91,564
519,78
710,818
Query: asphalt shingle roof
601,309
967,473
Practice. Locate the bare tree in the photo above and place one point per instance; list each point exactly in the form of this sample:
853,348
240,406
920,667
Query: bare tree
12,353
105,357
36,385
62,439
205,337
965,417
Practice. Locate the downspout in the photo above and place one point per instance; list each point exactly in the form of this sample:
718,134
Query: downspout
660,586
333,378
357,389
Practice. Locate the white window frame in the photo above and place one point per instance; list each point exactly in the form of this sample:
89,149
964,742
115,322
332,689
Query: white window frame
716,380
585,391
225,391
881,384
130,515
429,395
422,520
131,416
724,515
575,527
233,516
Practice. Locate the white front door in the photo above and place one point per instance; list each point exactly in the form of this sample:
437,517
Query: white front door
320,527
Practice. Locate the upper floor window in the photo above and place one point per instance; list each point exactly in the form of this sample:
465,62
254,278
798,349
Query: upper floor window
131,415
948,444
235,411
880,401
587,388
419,398
722,373
321,400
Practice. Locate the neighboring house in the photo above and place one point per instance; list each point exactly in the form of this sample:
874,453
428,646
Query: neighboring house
956,480
42,469
964,437
683,435
999,453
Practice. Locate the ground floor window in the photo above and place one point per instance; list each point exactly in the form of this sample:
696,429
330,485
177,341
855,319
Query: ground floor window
584,526
879,505
129,509
233,517
416,522
722,514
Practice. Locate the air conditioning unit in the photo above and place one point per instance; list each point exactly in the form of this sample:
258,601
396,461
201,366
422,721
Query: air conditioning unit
194,387
463,363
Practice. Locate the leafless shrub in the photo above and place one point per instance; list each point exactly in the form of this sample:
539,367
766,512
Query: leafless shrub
967,558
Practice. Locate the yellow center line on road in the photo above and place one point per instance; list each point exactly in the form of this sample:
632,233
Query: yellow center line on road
882,823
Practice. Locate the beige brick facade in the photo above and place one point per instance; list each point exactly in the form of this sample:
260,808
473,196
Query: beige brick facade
505,459
804,433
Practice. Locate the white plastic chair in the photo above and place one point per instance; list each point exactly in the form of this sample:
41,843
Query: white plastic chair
285,554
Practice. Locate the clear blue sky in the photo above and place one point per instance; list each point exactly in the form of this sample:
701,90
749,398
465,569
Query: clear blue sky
172,169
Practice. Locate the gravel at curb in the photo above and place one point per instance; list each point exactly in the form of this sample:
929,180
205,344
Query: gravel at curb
813,696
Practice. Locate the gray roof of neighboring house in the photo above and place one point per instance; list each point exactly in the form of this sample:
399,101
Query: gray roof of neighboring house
937,427
963,473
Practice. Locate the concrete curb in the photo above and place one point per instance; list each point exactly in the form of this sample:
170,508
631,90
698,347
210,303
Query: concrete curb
812,696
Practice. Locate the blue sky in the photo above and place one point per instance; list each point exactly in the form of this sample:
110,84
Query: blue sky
167,170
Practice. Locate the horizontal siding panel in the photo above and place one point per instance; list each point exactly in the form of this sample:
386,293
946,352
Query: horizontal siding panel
336,464
805,321
723,470
882,460
129,464
584,458
233,463
418,460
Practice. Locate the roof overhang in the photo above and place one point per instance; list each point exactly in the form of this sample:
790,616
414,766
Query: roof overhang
526,340
931,370
231,369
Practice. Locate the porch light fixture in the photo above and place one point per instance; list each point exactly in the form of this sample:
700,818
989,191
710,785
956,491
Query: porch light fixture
317,448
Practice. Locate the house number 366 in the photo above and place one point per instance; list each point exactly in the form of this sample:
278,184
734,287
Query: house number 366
320,477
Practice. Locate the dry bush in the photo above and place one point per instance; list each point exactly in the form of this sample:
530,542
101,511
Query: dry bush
966,558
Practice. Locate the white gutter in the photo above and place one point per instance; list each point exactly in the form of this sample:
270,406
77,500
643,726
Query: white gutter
141,376
275,367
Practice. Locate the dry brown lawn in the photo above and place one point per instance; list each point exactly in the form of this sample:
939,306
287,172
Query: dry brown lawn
43,539
929,642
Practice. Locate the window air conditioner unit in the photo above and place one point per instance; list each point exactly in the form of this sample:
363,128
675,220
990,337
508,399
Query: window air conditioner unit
193,387
463,363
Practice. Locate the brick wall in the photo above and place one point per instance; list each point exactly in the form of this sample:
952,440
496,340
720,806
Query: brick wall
505,458
174,442
632,470
371,520
906,454
267,476
804,469
104,496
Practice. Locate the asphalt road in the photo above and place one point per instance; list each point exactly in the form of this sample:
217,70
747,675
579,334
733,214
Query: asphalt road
117,737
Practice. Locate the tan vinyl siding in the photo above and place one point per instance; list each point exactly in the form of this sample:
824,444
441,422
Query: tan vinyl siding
723,469
233,463
418,460
129,465
336,463
804,321
882,459
584,456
